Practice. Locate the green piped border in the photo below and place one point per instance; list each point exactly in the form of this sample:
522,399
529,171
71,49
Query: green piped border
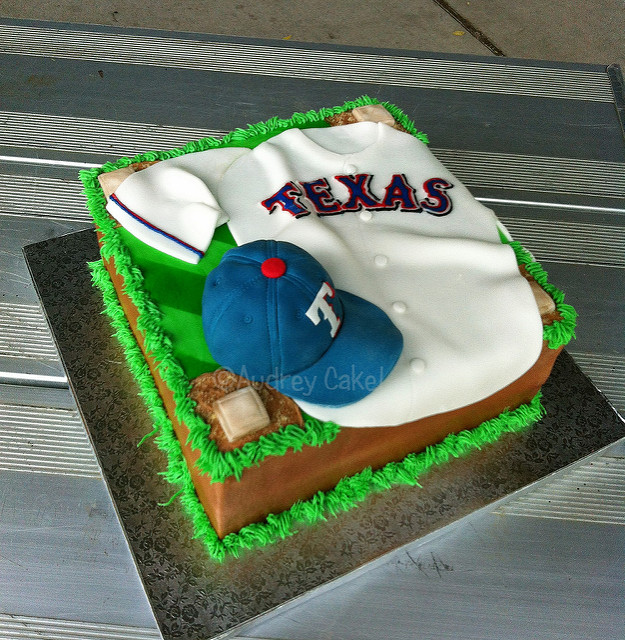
219,465
562,331
348,493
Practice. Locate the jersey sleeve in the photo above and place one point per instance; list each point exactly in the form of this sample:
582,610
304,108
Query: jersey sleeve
172,205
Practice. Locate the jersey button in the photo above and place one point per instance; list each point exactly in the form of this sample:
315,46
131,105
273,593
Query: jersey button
380,261
366,215
417,365
350,168
399,306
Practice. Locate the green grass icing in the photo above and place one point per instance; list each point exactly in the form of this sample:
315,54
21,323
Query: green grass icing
142,268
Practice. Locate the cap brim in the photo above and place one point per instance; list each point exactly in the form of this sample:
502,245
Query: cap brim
361,356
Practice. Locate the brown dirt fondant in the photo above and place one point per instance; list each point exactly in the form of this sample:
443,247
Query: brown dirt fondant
208,387
346,117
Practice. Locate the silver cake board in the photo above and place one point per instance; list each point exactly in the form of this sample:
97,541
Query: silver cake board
194,597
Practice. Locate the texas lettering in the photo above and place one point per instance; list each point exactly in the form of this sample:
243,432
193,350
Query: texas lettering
303,198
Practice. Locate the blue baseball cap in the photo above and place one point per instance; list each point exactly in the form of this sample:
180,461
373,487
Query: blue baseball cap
271,313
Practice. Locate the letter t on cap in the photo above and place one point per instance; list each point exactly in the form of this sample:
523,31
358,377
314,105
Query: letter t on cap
321,307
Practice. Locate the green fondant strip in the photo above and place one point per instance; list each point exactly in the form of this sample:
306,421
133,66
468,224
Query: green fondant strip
220,465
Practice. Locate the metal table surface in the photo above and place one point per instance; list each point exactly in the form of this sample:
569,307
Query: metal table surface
541,142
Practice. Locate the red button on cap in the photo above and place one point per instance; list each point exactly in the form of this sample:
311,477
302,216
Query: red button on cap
273,267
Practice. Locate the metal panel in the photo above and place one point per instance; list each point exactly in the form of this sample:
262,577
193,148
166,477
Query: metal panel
593,178
39,196
27,352
607,372
570,242
64,555
592,492
298,62
25,332
27,627
45,440
93,135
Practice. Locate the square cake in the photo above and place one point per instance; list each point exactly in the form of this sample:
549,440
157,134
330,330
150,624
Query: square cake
315,308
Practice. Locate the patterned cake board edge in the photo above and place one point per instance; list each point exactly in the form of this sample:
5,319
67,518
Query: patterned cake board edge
194,597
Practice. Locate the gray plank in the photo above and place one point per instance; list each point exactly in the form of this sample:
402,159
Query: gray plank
64,555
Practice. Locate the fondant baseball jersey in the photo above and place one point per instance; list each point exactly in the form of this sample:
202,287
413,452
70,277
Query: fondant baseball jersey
390,224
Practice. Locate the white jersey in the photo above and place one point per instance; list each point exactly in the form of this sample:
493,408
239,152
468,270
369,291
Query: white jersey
390,224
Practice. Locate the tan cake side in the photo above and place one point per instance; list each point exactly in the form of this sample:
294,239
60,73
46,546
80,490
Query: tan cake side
278,481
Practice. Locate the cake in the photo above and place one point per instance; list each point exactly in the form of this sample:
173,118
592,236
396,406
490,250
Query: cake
315,309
